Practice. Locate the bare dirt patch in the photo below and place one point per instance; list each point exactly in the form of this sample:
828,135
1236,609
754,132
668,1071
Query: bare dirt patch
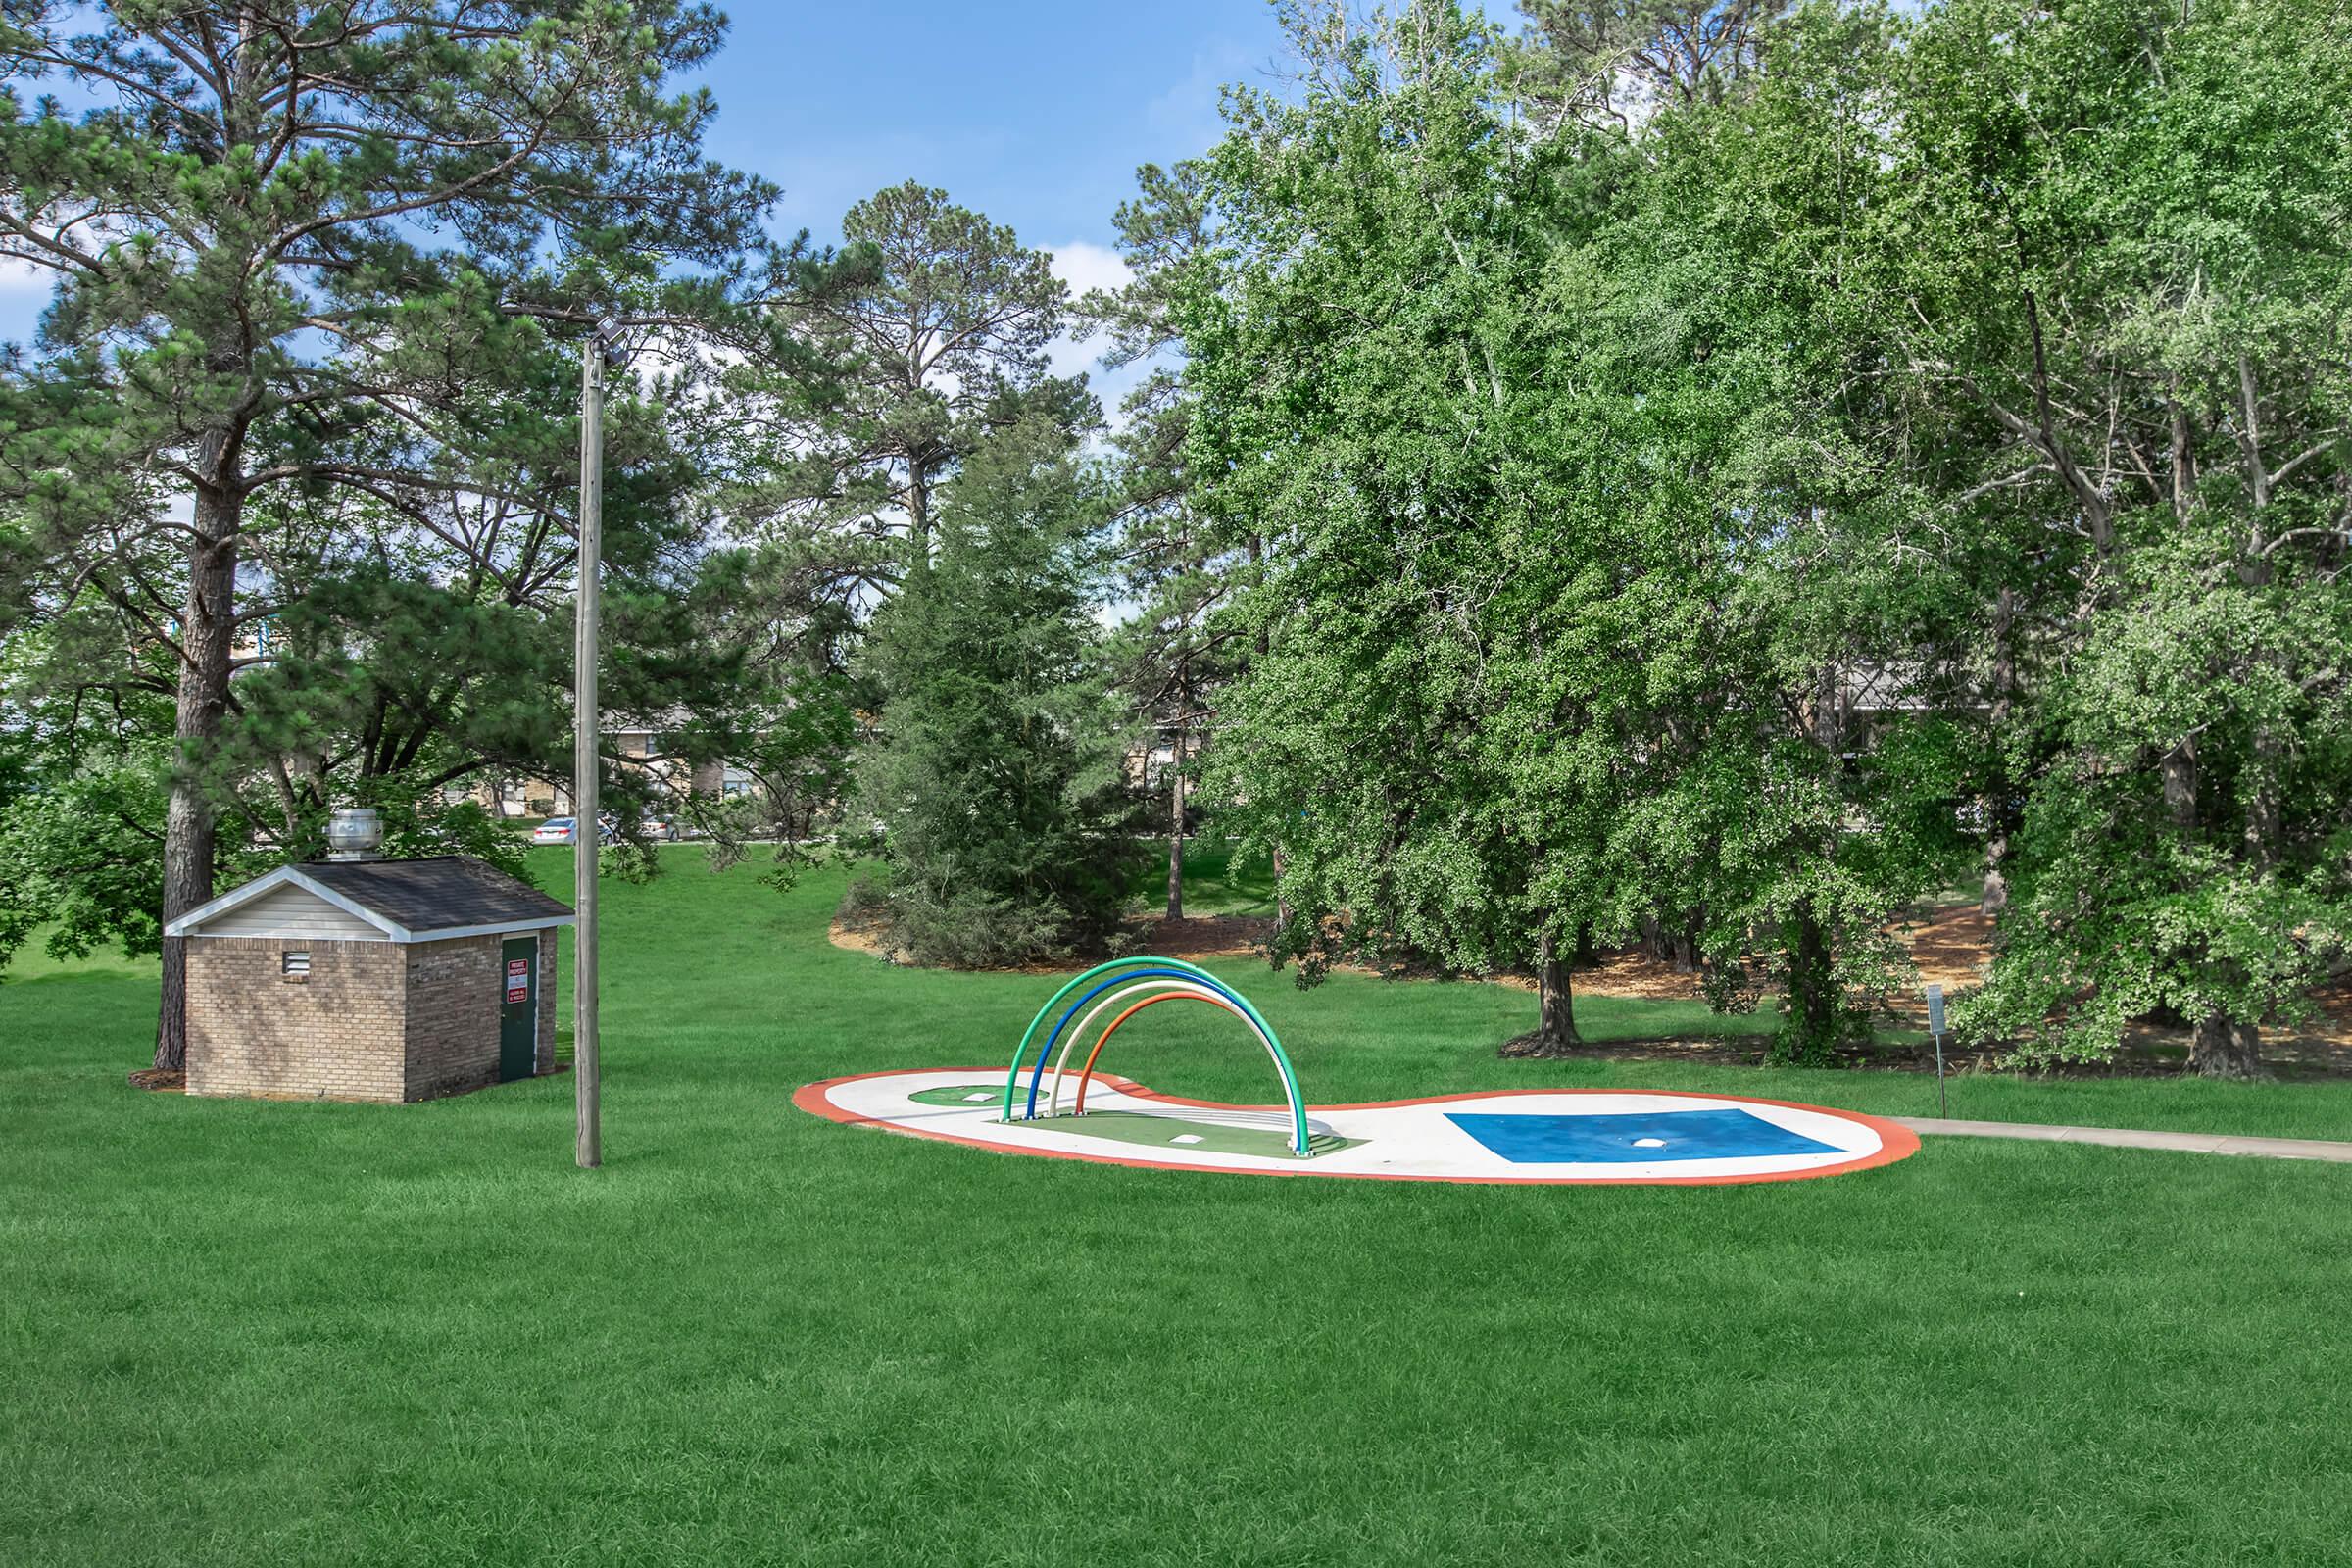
1951,945
1215,936
1211,936
856,938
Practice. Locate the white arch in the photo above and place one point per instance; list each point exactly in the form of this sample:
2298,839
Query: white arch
1184,987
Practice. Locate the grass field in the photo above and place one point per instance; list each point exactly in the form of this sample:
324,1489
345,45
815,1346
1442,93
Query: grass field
250,1333
1213,883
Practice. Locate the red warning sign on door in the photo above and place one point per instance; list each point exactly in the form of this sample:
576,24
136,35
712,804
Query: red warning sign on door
518,979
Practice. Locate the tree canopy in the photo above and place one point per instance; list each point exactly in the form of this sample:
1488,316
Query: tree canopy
1727,472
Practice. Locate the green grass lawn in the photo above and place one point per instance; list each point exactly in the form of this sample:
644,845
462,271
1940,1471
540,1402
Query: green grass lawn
271,1333
1215,881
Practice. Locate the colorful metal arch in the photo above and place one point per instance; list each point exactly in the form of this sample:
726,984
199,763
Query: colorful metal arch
1187,980
1166,971
1163,968
1119,995
1088,1071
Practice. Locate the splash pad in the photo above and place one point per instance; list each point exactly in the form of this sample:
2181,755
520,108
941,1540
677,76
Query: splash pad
1527,1136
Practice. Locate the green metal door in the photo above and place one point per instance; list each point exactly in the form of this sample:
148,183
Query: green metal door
519,1012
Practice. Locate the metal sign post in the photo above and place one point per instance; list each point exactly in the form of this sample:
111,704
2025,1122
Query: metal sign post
1935,1028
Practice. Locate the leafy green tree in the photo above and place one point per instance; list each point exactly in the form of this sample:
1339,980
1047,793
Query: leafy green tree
2119,244
1360,354
79,821
304,245
1799,762
1799,442
998,776
1589,604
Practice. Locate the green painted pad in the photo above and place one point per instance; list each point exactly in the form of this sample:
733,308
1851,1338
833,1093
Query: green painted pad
1162,1132
960,1094
1144,1128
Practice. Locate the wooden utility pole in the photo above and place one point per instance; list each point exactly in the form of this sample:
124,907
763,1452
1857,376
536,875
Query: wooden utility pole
587,837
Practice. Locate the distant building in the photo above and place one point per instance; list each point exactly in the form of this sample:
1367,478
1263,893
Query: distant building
640,745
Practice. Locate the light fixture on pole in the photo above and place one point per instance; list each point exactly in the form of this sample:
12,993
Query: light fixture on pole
601,350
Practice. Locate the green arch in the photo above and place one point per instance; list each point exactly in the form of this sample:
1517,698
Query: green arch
1282,1058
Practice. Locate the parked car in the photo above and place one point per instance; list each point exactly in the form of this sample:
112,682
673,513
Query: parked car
567,830
653,827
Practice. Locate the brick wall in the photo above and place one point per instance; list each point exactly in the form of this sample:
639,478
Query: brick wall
547,1000
372,1020
336,1034
453,1015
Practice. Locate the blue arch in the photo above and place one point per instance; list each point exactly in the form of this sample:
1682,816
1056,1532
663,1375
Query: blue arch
1144,967
1037,1072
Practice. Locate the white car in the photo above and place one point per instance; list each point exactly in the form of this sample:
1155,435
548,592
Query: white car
557,830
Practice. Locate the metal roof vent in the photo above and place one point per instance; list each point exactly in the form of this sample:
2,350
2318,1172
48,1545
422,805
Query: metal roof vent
354,833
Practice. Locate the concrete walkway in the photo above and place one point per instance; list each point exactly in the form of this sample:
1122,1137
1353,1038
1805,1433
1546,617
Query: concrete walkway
2133,1138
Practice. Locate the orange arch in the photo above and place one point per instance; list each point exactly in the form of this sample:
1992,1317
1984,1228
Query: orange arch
1085,1074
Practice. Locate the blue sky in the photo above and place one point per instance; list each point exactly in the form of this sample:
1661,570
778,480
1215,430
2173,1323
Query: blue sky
1034,113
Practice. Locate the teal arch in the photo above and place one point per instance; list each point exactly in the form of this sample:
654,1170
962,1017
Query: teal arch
1281,1058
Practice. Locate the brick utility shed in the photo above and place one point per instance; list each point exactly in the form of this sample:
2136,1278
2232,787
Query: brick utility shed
368,979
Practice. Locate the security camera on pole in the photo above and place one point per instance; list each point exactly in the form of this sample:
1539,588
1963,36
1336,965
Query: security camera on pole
602,352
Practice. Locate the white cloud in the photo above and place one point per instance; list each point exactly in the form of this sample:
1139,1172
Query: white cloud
1065,356
1083,266
18,278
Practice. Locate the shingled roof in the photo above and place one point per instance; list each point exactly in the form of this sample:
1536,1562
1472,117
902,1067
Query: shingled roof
408,901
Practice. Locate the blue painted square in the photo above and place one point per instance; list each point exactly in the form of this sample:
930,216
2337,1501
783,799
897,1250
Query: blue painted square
1615,1138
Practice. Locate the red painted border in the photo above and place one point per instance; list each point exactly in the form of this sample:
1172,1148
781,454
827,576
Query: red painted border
1895,1141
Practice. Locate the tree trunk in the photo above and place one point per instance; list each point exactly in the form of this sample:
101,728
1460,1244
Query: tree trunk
1811,1011
1685,945
1176,829
2260,786
2185,456
918,516
2180,786
1996,884
1265,646
207,631
1999,823
2223,1048
1555,1013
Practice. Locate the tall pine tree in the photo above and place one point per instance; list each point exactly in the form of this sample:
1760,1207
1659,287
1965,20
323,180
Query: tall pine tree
999,778
303,244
